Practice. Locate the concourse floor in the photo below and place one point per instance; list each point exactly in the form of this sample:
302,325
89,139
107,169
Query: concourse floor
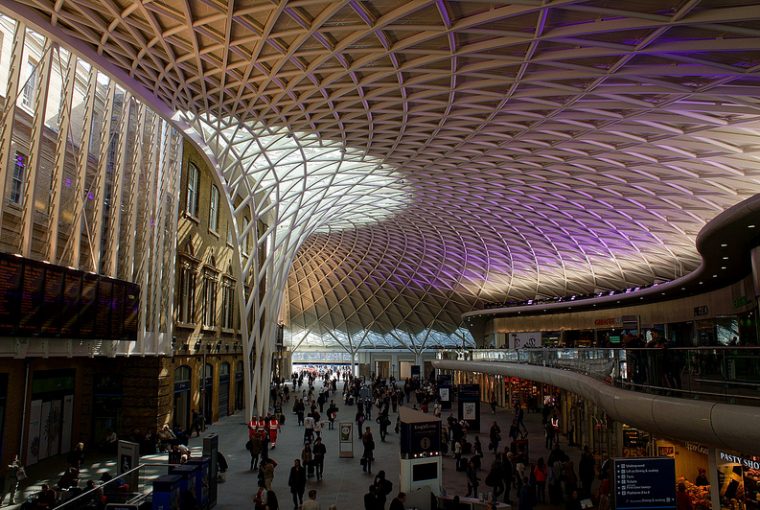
344,484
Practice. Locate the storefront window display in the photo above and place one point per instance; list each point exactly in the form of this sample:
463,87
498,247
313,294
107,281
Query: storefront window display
739,481
691,470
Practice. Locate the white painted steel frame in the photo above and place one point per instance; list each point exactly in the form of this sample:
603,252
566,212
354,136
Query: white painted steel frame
140,243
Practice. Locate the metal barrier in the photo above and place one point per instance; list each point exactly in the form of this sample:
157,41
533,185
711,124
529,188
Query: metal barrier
132,497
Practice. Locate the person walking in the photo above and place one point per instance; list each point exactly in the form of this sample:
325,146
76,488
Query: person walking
371,501
266,472
369,448
297,483
254,448
525,496
586,469
311,503
472,480
398,502
14,474
383,488
507,476
540,473
494,479
318,452
307,456
384,421
494,435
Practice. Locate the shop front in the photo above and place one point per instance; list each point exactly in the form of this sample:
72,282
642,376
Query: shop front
692,469
51,415
738,480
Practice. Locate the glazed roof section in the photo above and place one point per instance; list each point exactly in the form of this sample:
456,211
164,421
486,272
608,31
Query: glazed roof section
543,148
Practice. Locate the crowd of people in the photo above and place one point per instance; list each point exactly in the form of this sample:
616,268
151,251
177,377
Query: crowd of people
97,492
502,472
315,410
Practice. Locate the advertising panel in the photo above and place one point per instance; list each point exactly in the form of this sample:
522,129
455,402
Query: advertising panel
525,340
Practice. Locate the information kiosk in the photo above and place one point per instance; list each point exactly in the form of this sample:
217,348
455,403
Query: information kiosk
420,457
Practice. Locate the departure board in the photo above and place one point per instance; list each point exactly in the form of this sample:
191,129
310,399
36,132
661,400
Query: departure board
52,297
31,299
87,306
103,309
38,298
72,290
10,289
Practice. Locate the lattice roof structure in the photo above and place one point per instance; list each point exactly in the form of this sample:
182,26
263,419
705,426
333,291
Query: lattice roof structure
500,150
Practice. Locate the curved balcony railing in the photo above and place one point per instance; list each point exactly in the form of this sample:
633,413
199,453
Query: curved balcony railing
729,374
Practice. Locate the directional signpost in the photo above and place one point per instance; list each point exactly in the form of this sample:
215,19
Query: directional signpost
645,483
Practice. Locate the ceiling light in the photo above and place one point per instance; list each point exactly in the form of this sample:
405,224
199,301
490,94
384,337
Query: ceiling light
723,267
723,245
715,276
725,258
701,283
751,226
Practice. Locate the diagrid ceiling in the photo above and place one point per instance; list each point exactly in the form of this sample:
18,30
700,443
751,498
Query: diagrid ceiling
546,147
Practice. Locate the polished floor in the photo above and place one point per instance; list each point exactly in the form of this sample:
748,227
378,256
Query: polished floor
344,483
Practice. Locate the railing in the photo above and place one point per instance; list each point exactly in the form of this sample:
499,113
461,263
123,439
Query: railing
146,473
711,373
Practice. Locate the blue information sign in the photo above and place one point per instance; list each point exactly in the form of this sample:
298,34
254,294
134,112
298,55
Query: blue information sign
645,483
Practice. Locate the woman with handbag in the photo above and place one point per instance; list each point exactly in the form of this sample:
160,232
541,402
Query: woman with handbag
369,448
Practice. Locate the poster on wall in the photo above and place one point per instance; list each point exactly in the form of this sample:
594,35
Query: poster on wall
44,429
469,411
525,340
346,437
33,443
738,481
68,421
54,432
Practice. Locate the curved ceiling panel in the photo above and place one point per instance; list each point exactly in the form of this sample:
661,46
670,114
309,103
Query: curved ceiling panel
549,148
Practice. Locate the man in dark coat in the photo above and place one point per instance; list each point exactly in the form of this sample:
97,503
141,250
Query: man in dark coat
297,483
398,502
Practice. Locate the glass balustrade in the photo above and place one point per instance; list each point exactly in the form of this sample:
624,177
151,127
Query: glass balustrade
730,374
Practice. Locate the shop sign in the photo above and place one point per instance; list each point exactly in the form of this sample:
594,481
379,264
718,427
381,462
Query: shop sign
608,322
735,459
741,301
645,483
631,438
696,448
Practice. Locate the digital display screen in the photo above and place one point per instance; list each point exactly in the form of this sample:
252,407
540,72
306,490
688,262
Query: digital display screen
427,471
